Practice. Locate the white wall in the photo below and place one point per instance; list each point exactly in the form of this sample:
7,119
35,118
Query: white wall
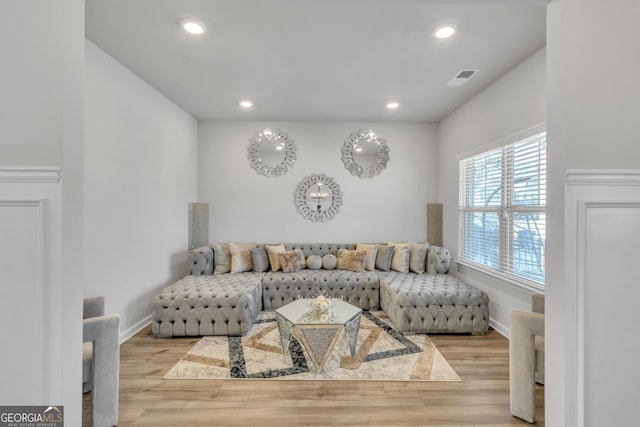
513,103
245,206
32,76
40,183
592,124
140,165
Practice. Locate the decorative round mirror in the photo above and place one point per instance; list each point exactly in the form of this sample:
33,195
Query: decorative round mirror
318,198
365,153
272,153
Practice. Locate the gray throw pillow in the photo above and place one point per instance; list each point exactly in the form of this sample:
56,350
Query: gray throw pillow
418,259
221,258
260,260
314,262
329,262
383,257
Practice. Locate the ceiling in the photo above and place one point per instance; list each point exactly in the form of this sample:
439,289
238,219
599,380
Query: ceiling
316,60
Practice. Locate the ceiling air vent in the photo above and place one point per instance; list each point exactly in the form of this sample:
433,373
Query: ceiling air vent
462,77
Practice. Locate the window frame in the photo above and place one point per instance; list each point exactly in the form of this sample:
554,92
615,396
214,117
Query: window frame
505,211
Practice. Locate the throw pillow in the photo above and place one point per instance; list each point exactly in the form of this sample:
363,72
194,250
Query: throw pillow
292,261
372,251
400,259
260,260
314,262
351,260
241,256
418,259
273,252
398,254
383,257
221,258
329,261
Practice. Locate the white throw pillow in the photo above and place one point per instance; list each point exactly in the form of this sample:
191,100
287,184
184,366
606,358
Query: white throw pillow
372,251
401,256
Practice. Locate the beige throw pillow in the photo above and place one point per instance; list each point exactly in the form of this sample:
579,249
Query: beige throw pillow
401,256
273,252
292,261
241,259
351,260
372,251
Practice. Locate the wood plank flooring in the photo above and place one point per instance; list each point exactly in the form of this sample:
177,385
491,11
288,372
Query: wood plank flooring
480,399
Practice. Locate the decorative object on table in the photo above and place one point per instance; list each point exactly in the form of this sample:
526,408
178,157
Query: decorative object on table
383,354
365,153
318,198
272,153
198,225
434,224
321,303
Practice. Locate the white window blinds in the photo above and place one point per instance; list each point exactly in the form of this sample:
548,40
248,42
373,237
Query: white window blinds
502,202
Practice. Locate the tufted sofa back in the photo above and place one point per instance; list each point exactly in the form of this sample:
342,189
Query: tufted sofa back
320,249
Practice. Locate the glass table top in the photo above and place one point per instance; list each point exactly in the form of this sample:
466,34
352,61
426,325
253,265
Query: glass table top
301,311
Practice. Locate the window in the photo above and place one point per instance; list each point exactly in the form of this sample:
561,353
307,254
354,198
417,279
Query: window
502,201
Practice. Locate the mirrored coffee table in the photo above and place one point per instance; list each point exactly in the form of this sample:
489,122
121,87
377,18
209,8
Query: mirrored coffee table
325,335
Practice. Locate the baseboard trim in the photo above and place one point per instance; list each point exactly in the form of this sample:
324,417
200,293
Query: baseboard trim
131,331
502,329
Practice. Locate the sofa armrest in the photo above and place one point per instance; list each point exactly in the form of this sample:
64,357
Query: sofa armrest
104,332
93,307
522,362
537,303
438,260
201,261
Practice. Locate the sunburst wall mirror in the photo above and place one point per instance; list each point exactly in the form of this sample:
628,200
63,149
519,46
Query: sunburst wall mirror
365,153
272,153
318,198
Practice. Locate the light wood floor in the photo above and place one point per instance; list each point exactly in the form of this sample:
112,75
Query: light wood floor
481,399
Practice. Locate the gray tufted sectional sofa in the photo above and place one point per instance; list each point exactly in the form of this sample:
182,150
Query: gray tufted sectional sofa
203,303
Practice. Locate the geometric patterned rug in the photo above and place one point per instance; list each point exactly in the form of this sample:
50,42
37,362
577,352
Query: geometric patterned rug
382,354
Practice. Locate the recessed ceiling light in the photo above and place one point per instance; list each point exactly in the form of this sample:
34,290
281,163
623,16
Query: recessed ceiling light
246,104
392,105
444,31
193,26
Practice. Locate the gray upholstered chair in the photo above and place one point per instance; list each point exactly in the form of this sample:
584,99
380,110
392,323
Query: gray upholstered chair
526,358
537,306
101,361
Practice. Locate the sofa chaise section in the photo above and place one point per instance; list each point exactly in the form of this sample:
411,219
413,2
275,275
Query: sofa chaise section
225,304
428,303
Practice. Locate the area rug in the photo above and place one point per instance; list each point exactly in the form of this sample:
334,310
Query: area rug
382,354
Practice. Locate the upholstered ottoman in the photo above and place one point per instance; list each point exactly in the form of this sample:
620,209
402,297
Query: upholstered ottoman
359,289
225,304
433,303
